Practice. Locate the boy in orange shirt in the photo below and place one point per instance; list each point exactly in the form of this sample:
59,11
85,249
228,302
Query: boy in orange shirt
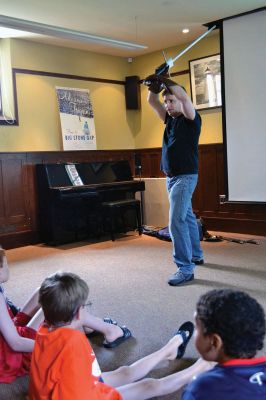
18,328
64,366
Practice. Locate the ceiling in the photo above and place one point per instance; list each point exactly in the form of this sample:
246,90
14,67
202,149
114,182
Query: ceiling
157,24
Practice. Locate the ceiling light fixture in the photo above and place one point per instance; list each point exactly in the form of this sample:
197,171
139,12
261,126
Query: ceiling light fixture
11,33
185,30
64,33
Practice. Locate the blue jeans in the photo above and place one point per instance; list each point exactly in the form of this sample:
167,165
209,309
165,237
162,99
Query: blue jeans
183,226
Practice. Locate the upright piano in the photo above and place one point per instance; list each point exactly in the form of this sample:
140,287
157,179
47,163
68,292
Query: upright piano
70,197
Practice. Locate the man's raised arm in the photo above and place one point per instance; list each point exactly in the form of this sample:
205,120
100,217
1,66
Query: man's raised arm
154,102
155,86
188,109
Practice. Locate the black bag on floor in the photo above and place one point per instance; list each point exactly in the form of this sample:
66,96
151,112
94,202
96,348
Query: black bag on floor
163,233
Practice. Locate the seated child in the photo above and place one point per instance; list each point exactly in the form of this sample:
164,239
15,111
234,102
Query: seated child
230,328
18,330
64,365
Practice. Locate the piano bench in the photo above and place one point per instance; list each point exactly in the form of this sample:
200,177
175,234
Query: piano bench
112,209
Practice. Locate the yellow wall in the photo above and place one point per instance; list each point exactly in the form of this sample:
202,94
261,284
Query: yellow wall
39,122
116,128
149,128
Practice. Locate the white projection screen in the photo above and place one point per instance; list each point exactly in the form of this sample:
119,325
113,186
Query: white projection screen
244,113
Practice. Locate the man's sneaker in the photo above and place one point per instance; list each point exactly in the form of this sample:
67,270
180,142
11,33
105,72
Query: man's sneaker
198,262
179,277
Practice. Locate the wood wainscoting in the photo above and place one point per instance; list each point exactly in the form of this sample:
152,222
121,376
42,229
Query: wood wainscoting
228,217
19,220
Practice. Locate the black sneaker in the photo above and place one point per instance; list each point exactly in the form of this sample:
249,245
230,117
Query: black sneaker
198,262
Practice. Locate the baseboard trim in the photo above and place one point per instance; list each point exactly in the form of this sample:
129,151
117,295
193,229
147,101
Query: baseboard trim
19,239
249,226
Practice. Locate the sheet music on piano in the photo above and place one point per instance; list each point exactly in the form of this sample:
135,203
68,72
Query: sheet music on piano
73,175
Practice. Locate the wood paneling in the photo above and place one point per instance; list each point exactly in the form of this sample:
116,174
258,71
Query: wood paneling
230,217
14,203
19,221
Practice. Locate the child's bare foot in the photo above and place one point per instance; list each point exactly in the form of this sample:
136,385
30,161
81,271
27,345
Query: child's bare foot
113,332
184,334
126,334
107,322
173,345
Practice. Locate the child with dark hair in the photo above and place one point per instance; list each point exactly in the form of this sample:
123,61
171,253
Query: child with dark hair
230,329
64,366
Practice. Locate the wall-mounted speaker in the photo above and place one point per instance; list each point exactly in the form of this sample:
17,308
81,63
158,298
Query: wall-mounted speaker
132,93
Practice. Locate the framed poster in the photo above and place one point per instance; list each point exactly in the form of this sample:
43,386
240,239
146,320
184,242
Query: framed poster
205,82
77,119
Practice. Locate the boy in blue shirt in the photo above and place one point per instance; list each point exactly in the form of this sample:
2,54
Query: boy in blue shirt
230,329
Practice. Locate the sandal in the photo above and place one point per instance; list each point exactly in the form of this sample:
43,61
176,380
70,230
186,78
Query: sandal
126,335
185,327
109,320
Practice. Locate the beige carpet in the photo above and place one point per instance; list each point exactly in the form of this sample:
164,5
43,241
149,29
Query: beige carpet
128,281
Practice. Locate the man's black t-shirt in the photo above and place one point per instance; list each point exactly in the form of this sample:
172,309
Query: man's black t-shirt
180,145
